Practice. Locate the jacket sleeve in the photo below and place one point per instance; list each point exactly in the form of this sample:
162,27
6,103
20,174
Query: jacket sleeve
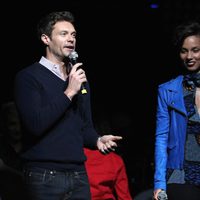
161,138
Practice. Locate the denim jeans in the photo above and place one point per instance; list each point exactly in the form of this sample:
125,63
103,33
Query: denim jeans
44,184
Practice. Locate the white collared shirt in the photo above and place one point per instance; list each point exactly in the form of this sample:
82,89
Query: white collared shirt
54,68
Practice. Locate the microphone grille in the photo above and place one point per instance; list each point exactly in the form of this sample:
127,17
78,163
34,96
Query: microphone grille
73,55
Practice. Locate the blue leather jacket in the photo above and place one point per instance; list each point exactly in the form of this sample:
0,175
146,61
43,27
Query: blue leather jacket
170,130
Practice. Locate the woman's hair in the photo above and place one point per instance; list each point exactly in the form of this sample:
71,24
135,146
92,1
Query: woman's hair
185,30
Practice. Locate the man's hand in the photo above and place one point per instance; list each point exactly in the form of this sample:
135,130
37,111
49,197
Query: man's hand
107,143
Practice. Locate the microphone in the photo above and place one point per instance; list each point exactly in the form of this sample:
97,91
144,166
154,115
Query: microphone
162,195
73,56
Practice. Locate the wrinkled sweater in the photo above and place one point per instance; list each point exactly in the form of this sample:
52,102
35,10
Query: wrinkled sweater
55,129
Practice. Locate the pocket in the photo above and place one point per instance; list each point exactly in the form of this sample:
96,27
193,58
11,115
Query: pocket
38,178
171,145
82,178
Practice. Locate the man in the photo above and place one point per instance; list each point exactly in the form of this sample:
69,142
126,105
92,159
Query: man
56,116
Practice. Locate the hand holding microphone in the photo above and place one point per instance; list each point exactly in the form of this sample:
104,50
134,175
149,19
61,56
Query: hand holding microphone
160,194
73,59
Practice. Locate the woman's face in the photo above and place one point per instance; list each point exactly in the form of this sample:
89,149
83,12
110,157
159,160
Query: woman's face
190,53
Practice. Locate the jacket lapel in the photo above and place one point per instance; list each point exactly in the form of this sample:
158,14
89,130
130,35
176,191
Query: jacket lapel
175,91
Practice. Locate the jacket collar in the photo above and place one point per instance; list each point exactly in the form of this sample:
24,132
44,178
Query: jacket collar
175,87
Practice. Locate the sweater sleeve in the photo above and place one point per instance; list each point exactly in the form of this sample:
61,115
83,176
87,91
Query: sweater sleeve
90,135
37,116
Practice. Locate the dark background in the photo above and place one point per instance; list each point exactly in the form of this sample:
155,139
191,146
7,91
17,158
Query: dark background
126,48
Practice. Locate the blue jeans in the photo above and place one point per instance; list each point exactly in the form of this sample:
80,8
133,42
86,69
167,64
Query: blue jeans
44,184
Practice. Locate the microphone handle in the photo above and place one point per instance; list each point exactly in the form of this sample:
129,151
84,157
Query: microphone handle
83,89
162,195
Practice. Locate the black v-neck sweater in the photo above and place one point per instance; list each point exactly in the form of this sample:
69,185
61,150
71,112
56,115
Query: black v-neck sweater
55,129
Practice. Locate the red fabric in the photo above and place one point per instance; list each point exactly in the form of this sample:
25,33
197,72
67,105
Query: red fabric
107,176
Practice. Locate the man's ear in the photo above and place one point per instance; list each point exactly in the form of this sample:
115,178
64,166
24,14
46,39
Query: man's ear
45,39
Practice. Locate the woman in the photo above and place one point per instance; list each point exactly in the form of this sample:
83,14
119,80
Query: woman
177,140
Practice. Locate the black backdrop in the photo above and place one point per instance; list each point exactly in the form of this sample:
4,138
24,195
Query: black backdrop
126,50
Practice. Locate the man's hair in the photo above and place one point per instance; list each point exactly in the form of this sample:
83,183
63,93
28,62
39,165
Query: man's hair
184,30
46,24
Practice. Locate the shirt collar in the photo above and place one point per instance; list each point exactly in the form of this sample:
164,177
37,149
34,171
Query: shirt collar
54,68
